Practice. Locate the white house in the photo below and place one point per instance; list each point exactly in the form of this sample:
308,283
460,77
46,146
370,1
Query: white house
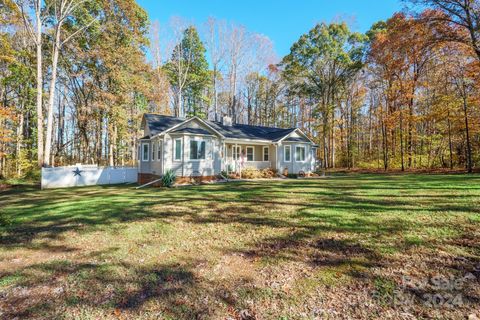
197,147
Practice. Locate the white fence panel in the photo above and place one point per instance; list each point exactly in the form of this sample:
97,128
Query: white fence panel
86,175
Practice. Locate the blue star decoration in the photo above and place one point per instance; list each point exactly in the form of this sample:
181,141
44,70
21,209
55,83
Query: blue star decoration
77,172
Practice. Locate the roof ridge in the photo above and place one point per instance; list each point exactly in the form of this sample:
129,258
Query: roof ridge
218,122
165,115
249,125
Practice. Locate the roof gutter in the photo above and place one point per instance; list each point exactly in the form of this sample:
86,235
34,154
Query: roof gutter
248,140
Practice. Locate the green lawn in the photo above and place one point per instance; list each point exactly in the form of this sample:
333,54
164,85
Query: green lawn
339,247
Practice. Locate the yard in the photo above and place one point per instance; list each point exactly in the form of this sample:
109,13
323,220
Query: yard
348,246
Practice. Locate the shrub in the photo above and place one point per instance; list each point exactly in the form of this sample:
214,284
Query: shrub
224,174
251,173
168,179
268,173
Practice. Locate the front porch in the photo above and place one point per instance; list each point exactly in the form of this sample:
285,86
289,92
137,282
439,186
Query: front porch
240,156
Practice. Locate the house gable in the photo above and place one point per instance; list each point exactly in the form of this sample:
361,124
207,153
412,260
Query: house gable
193,126
296,136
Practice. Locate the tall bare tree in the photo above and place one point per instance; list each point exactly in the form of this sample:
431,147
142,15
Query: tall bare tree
63,9
215,44
237,44
181,64
162,87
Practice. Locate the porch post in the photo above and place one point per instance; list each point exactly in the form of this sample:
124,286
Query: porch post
235,156
276,159
224,158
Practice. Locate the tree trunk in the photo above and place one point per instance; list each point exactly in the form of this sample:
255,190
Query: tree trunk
19,143
467,134
215,97
333,140
450,147
410,134
385,146
401,141
39,107
110,148
51,98
179,112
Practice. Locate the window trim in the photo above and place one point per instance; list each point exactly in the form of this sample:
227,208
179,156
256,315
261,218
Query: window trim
268,154
304,153
190,150
285,153
143,151
175,150
246,153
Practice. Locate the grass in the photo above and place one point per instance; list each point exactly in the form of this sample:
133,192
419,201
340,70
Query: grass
339,247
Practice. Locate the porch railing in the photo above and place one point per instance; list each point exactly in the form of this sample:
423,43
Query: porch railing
259,165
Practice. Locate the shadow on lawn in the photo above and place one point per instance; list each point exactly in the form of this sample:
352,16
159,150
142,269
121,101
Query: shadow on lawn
302,236
116,289
49,214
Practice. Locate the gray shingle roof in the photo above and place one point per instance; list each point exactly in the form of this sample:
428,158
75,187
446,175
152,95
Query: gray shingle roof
243,131
296,139
192,130
159,123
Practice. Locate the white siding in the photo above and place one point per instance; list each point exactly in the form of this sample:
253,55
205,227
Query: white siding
144,166
295,166
210,166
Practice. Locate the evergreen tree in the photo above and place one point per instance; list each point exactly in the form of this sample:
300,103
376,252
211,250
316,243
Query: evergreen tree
189,75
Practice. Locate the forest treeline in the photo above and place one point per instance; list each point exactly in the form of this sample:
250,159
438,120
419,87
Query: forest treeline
76,76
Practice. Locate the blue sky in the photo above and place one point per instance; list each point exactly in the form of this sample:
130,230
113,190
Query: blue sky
282,21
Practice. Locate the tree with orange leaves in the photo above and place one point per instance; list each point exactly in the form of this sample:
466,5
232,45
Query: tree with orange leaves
454,20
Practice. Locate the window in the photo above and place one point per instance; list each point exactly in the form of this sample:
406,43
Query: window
265,154
287,153
159,151
145,151
236,153
177,156
250,153
300,153
197,150
153,150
